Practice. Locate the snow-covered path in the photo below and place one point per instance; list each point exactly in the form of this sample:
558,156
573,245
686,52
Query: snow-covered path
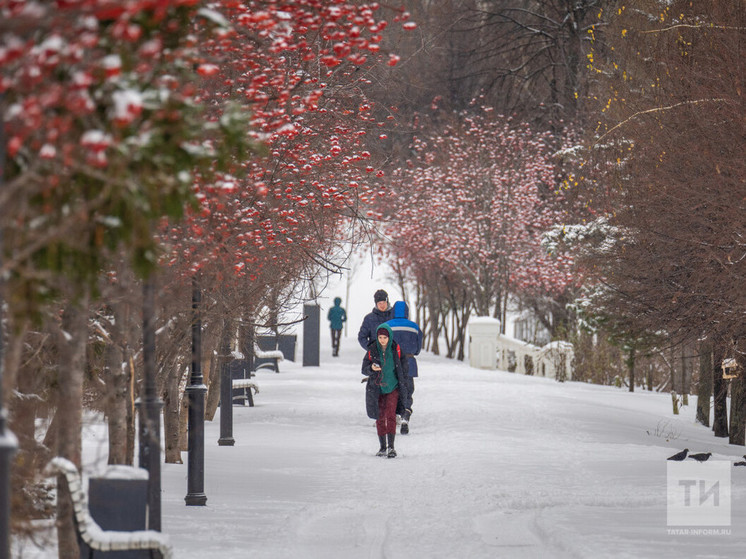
496,465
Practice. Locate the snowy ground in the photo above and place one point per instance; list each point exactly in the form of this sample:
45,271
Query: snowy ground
496,465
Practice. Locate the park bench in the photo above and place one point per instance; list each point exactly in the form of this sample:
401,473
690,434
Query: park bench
249,385
95,537
267,359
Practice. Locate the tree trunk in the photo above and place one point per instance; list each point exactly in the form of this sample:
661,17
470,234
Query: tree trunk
651,369
737,412
213,393
171,414
22,411
674,383
631,369
210,336
462,333
12,354
115,403
686,375
434,329
72,340
720,393
704,390
130,403
738,405
184,424
212,379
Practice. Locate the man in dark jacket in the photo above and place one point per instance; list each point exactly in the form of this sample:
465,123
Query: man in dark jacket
409,337
386,391
380,314
337,317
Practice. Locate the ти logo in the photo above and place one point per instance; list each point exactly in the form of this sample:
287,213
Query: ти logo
698,493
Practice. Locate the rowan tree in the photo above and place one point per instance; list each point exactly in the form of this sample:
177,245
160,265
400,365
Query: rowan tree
120,114
278,218
473,203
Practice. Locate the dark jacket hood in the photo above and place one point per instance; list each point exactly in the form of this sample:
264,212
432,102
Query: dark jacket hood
337,301
401,310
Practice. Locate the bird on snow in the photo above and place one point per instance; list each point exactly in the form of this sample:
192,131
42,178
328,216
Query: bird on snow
701,457
679,456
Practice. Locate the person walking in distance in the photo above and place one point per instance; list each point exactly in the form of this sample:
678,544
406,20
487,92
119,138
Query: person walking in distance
380,314
337,317
409,337
386,368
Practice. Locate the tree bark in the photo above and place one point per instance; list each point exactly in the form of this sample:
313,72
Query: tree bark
704,390
738,411
130,405
12,353
23,410
184,424
213,393
631,369
434,329
72,341
674,382
720,392
115,404
738,405
687,366
171,414
650,375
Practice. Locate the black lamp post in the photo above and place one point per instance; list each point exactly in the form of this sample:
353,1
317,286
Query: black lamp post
195,393
8,443
149,408
226,400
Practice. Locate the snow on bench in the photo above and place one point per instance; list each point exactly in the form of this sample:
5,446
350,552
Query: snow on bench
275,355
245,383
92,534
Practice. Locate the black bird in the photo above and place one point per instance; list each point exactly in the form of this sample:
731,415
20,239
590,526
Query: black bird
740,464
701,457
679,456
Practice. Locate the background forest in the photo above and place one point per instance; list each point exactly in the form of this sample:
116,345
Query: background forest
578,162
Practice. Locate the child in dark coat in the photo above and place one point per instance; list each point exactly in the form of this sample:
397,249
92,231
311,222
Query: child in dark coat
386,368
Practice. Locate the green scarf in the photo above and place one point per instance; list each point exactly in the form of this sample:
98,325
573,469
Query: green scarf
389,382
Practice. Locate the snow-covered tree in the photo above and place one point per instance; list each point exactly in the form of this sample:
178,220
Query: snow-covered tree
469,210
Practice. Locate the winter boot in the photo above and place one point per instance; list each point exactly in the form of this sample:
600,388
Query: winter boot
392,452
382,450
405,422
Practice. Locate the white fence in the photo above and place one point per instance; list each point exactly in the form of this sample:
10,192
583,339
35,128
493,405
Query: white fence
553,360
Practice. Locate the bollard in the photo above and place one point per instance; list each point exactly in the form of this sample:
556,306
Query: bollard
311,332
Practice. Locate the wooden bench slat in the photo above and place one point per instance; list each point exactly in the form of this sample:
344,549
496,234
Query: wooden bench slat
92,534
245,383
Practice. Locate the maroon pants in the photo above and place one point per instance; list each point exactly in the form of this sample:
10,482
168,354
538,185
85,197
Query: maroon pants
386,422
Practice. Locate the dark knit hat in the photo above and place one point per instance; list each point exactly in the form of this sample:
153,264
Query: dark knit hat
380,295
383,331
